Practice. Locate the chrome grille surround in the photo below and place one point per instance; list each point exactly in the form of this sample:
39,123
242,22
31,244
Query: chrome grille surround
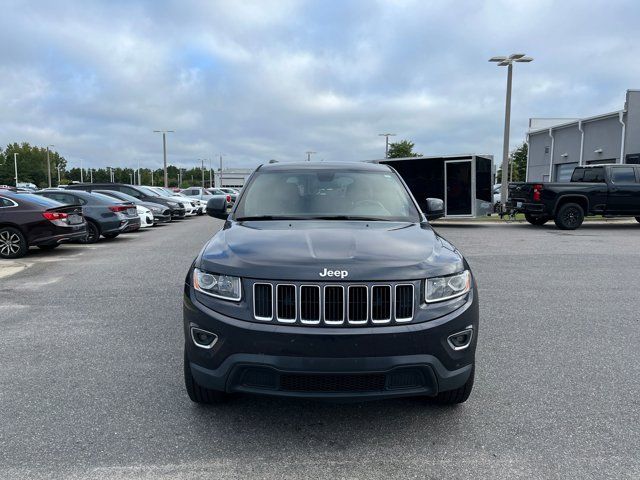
333,303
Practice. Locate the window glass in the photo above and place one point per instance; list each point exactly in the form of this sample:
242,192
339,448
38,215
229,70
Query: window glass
5,202
593,175
131,191
564,171
327,193
578,175
623,175
40,200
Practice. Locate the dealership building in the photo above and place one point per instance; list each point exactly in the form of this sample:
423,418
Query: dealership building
557,146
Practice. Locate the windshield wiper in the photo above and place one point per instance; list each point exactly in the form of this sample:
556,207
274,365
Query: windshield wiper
268,217
351,217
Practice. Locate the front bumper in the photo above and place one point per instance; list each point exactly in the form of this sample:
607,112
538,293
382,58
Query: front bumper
334,363
177,213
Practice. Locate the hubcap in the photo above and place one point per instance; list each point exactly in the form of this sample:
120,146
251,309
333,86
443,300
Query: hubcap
9,243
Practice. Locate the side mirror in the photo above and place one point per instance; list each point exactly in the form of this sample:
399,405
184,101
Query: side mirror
435,209
217,208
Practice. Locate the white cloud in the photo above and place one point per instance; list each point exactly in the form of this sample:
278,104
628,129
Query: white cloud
272,79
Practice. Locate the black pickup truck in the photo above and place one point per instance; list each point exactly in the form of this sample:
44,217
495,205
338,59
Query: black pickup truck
608,190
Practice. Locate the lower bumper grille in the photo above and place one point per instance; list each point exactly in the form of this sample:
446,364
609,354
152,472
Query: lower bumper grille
265,378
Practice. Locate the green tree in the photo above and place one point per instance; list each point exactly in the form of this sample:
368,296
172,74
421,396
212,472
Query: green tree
402,149
32,164
517,163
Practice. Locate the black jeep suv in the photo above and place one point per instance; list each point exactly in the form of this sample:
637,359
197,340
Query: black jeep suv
327,281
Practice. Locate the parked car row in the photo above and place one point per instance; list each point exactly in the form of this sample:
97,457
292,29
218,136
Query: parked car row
85,212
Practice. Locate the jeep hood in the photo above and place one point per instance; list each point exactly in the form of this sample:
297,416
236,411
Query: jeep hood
301,250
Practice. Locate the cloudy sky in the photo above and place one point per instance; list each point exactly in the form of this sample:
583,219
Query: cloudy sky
265,79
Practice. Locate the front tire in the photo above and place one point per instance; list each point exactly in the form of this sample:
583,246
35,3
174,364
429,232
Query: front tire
459,395
199,394
12,243
569,216
536,220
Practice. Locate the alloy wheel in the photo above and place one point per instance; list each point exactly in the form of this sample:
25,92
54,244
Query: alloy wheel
9,243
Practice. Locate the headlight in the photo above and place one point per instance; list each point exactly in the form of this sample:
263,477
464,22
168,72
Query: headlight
156,209
221,286
172,204
445,288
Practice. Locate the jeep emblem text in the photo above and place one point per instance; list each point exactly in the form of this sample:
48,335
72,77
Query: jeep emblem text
334,273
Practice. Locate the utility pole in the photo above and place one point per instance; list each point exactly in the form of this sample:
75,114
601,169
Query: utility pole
164,151
81,172
202,160
508,62
386,148
139,183
309,153
91,174
220,177
15,164
49,165
210,176
58,168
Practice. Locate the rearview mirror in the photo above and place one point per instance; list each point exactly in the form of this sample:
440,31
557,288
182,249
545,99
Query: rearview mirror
435,209
217,208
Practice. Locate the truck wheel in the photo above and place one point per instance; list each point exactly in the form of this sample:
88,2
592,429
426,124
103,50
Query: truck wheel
12,243
459,395
569,216
536,219
199,394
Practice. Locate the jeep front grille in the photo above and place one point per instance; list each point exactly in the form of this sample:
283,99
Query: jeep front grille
334,304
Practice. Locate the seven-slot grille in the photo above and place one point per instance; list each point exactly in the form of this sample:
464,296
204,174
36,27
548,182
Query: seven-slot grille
333,304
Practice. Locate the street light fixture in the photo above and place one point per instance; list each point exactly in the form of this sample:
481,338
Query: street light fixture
503,61
164,151
386,148
309,153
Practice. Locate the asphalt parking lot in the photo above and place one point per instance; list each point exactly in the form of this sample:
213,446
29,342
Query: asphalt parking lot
91,377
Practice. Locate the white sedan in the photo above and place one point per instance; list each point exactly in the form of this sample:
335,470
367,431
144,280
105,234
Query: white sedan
146,216
190,207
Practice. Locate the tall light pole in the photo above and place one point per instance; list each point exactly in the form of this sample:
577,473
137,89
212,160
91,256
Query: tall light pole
507,62
15,164
202,160
81,172
164,151
386,147
210,174
49,165
220,177
309,153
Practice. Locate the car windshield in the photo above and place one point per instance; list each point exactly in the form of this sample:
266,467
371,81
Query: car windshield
327,194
